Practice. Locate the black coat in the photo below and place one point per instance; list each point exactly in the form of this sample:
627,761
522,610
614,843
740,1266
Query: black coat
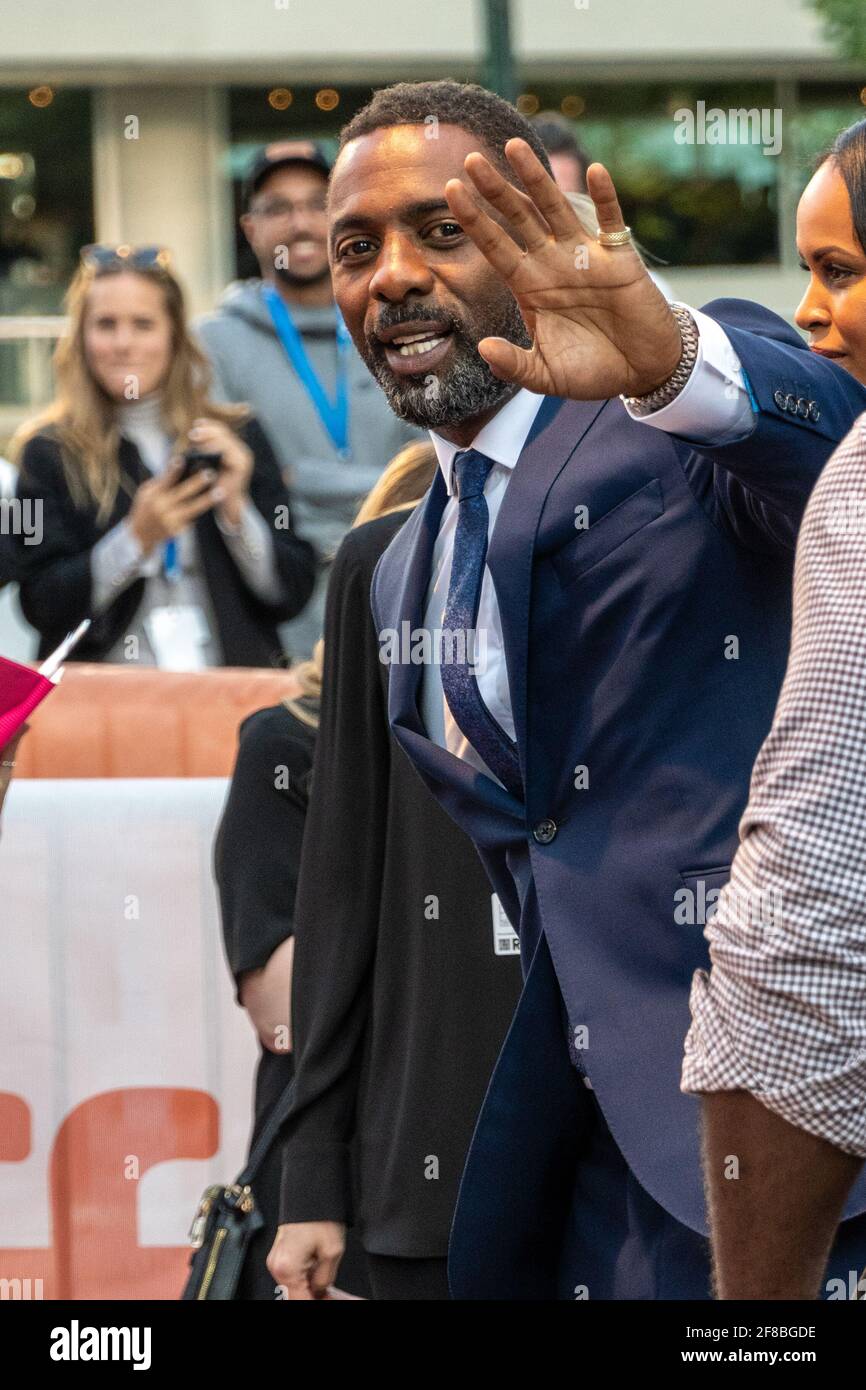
399,1001
256,859
55,580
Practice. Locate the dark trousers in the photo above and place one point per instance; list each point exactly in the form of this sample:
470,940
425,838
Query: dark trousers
618,1243
549,1209
397,1279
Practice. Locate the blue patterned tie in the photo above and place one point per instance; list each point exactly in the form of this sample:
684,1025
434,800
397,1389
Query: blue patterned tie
461,612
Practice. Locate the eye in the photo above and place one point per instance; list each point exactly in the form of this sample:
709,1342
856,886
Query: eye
355,248
835,274
449,231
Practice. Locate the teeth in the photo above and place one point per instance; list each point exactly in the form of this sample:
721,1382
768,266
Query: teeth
412,337
415,347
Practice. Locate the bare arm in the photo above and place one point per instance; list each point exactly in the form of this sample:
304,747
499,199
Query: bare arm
766,1176
266,994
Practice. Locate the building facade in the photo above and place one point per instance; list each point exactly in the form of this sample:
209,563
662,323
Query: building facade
131,123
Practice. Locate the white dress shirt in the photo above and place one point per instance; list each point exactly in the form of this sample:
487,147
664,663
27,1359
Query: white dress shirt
713,407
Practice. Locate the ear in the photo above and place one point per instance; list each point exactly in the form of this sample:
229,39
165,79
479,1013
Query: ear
246,221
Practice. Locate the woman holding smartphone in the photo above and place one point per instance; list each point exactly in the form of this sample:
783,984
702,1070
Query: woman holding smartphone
181,562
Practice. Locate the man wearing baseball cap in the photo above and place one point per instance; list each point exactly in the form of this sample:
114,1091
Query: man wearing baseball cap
278,343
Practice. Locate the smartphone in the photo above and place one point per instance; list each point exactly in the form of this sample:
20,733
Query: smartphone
196,460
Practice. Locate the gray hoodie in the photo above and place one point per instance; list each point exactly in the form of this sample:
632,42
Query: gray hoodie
249,364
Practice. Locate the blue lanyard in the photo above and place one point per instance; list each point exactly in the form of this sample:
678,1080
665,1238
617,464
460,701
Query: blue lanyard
334,417
171,562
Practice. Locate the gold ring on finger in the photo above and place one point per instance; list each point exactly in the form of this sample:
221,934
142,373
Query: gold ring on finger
615,238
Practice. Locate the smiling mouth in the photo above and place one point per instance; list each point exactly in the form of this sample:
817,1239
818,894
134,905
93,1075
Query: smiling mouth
412,354
417,344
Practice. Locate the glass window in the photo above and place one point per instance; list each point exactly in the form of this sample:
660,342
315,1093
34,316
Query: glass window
691,203
46,216
823,110
46,195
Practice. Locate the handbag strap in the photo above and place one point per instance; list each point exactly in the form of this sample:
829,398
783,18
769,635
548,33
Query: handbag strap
261,1148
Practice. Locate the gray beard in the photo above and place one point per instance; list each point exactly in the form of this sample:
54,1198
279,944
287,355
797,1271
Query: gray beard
467,389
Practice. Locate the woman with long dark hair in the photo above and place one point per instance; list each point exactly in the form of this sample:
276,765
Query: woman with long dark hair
831,240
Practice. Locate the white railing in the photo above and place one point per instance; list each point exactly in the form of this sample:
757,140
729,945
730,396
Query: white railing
32,332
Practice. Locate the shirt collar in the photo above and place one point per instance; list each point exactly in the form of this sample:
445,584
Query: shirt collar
501,439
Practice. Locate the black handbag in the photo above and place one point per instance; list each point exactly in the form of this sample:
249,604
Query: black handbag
227,1219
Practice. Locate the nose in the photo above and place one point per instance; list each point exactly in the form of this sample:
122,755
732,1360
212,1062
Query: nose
401,270
122,338
813,311
305,220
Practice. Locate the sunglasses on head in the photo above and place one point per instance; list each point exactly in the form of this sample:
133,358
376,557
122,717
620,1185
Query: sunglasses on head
100,257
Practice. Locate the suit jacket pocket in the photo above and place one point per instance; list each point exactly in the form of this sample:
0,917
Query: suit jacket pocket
698,900
609,532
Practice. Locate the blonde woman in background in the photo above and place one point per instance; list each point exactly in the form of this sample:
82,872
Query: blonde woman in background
198,569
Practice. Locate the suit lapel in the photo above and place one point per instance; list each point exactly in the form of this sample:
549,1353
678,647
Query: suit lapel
556,434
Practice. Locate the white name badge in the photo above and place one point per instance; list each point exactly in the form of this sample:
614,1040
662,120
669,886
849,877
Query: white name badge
506,942
178,635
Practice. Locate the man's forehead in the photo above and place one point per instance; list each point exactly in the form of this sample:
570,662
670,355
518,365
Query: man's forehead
424,153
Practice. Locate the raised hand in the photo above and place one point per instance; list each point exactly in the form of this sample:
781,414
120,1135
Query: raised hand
600,327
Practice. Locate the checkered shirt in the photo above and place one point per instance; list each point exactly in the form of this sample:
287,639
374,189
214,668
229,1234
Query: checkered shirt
782,1012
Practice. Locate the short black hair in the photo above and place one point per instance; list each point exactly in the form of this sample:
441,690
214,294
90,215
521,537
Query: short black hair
464,104
848,153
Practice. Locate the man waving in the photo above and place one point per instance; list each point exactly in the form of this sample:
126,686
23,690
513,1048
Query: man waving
620,487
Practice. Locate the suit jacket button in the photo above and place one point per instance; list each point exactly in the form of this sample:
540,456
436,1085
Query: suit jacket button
781,399
544,831
803,407
791,405
814,412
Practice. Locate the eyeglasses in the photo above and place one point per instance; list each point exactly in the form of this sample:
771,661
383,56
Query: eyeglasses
283,207
102,257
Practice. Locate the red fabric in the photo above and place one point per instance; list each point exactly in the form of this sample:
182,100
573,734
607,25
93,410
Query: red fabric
21,690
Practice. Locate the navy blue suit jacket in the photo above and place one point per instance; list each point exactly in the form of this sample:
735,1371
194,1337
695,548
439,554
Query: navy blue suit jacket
649,649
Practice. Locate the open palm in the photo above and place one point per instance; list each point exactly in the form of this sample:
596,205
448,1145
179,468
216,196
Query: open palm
599,325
